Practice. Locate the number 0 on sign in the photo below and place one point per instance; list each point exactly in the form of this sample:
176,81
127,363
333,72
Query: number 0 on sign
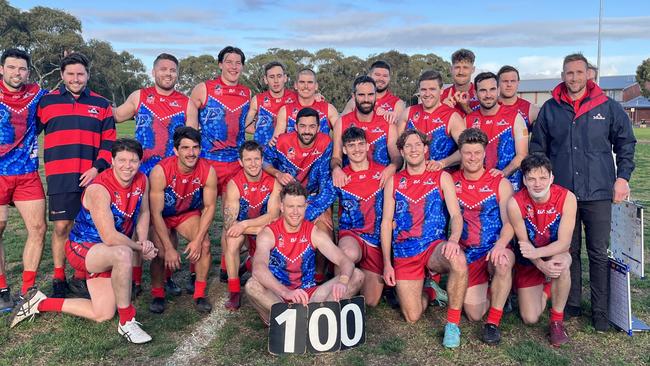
320,327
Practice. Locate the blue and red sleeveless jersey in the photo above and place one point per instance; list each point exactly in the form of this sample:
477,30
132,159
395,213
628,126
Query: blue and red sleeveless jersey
267,113
222,119
183,191
253,196
125,206
499,129
361,203
293,258
479,204
325,125
18,142
310,166
376,135
542,219
523,108
436,126
420,212
386,103
156,119
474,104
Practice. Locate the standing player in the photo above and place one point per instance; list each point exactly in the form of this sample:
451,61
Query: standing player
417,203
184,199
112,207
543,215
360,205
377,130
388,105
285,260
267,104
79,132
158,110
19,179
508,83
505,128
461,95
252,201
441,123
307,88
483,200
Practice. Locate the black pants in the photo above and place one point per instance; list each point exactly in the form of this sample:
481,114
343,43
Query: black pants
596,217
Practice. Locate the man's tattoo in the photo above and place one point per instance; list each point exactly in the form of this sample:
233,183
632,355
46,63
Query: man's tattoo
229,217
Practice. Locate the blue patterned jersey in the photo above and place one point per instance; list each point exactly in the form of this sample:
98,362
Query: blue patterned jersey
293,258
267,113
435,125
376,135
322,107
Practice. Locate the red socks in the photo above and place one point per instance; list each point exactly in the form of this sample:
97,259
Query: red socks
547,290
126,314
556,316
234,285
494,316
137,275
453,316
158,292
51,305
199,288
59,273
3,281
29,278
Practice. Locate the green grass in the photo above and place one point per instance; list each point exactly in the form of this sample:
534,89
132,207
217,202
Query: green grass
62,339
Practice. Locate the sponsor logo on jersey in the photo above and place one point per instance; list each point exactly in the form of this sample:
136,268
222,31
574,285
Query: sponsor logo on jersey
599,116
93,110
485,189
502,123
174,104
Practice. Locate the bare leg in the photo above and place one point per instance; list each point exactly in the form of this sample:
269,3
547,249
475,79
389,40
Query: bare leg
324,291
33,214
59,236
261,298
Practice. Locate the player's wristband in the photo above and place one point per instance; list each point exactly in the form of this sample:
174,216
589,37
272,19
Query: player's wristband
344,279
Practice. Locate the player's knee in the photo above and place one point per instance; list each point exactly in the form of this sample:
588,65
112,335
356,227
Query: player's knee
529,318
373,301
411,316
3,225
37,229
503,269
472,313
61,229
104,315
205,247
358,277
123,255
253,287
458,264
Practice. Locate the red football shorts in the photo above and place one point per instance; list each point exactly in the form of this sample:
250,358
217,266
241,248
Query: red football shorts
23,187
413,268
76,255
371,257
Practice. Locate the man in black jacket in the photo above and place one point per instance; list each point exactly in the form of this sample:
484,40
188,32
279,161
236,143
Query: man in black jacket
578,129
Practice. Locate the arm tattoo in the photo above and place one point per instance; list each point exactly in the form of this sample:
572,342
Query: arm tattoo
228,218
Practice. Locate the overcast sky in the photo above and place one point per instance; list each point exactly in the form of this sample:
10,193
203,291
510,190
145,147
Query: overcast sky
531,35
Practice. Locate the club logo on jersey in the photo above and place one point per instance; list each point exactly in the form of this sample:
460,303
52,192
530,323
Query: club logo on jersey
150,99
218,90
485,189
459,188
117,198
476,123
266,102
402,183
280,241
291,153
289,100
416,116
386,107
264,189
294,113
93,110
529,211
245,186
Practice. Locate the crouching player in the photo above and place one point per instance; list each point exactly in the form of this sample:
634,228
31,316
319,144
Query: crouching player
252,201
183,198
113,205
483,200
284,265
543,215
360,206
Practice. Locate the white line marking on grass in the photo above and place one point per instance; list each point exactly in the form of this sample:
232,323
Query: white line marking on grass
200,337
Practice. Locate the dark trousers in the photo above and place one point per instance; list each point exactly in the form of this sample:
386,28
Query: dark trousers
596,217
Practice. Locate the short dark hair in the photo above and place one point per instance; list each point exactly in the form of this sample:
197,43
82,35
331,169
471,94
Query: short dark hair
535,161
380,64
127,144
401,140
293,189
430,75
186,132
74,59
353,134
230,49
15,53
472,136
166,56
507,68
485,76
250,145
273,64
307,112
463,54
363,79
575,57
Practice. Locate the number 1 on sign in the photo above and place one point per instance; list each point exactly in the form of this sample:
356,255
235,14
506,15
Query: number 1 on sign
288,316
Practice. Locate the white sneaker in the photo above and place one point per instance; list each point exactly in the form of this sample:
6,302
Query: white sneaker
132,332
27,307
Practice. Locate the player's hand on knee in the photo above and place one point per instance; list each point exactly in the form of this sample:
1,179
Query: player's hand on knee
498,256
193,251
338,291
172,260
389,275
450,249
149,250
297,296
237,229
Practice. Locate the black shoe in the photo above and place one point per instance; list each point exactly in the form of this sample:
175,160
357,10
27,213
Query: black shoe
244,278
157,305
223,276
509,306
6,302
391,297
136,290
59,289
572,312
189,286
600,322
491,334
79,288
172,288
202,305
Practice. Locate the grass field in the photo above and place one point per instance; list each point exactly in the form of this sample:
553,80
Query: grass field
62,339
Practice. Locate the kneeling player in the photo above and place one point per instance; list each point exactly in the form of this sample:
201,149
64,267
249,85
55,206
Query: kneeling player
114,203
183,198
284,265
360,205
418,201
252,201
543,215
483,200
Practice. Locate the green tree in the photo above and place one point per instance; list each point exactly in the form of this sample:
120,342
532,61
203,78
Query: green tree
194,70
643,77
